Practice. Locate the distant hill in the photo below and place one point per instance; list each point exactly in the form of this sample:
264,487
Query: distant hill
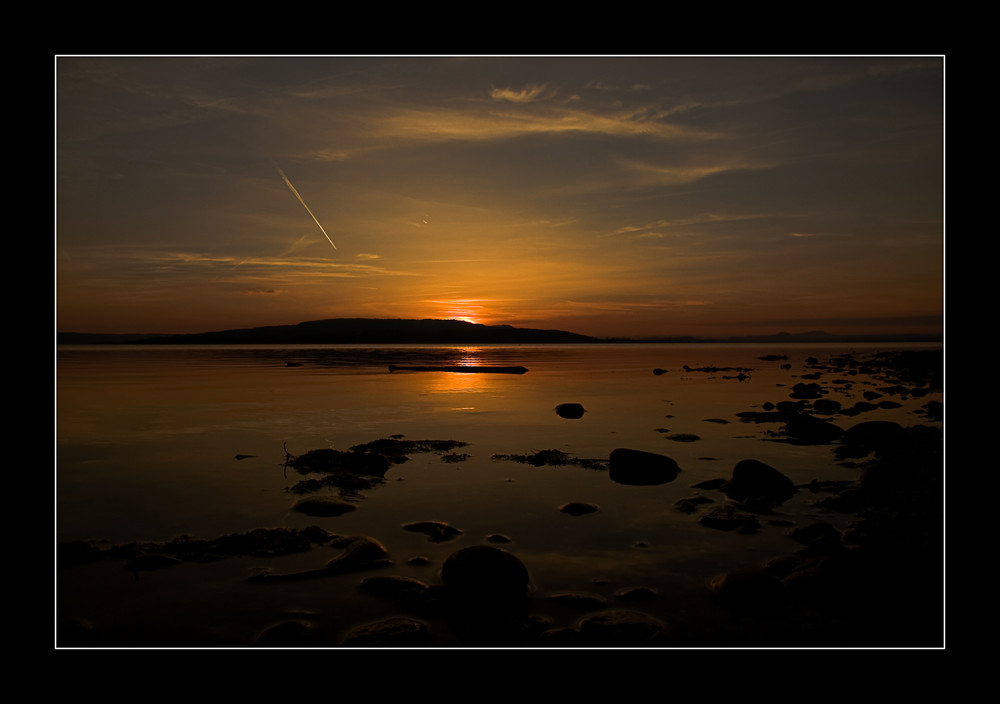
383,331
366,331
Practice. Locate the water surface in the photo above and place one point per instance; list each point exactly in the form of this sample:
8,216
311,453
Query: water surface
147,440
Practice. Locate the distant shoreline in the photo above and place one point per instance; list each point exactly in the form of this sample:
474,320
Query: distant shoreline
373,331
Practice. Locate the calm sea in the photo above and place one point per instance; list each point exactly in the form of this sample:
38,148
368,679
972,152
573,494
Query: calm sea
154,442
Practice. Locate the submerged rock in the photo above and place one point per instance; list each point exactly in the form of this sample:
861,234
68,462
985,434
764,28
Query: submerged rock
637,467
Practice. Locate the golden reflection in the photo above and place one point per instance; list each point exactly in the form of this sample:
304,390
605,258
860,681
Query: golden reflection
461,382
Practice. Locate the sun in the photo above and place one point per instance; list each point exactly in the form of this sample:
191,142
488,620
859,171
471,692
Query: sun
464,309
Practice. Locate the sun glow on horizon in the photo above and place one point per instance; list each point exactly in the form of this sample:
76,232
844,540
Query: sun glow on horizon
468,310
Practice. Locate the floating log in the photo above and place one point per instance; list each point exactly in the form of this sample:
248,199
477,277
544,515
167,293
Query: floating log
461,369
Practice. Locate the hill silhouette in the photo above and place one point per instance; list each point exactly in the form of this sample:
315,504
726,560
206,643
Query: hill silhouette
391,331
374,331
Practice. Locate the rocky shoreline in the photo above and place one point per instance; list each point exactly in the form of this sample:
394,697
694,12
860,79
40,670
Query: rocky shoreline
877,583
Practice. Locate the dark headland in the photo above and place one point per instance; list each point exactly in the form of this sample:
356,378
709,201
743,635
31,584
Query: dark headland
382,331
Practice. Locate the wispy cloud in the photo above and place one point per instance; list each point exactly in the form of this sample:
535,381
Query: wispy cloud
467,123
525,95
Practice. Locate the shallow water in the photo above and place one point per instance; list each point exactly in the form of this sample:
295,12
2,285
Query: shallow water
147,440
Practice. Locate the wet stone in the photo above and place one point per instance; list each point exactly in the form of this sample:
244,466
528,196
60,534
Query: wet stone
577,508
398,631
570,410
436,531
622,628
482,571
726,518
638,467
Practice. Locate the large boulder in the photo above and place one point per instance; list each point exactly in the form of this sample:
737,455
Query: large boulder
481,571
809,430
872,434
753,479
638,467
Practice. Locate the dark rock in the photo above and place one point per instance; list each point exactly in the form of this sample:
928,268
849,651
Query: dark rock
754,591
328,460
290,633
860,407
755,479
390,632
576,508
872,434
436,531
636,594
826,405
570,410
690,504
361,550
497,538
481,571
556,458
683,437
726,518
637,467
934,410
618,627
805,391
810,430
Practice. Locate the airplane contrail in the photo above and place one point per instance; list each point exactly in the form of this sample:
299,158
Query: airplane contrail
290,186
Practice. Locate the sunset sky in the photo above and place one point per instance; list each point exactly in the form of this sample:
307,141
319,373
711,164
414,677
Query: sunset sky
603,195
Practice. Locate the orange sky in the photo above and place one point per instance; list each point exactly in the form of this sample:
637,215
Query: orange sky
603,195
